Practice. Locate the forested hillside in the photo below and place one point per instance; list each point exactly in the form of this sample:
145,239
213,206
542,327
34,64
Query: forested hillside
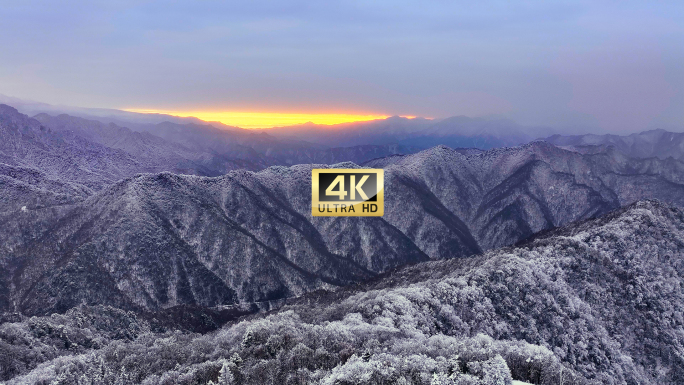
596,302
156,241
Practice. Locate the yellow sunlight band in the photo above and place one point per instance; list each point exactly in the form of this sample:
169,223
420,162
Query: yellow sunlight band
254,120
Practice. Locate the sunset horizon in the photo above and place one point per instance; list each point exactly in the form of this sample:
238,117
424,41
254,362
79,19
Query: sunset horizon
254,120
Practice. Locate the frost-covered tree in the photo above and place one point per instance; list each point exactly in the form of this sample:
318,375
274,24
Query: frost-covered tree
226,374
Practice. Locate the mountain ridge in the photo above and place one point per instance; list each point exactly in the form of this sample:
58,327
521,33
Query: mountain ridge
598,301
160,237
656,143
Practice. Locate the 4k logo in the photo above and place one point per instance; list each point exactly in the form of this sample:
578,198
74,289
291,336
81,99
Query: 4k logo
347,192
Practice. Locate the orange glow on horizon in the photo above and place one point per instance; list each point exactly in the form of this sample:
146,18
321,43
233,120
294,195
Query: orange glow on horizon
257,120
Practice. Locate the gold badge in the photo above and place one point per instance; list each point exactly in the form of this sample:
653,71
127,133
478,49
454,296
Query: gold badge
347,192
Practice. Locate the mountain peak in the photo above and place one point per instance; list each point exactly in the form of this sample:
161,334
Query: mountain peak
5,109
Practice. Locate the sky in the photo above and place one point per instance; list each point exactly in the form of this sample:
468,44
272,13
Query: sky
606,66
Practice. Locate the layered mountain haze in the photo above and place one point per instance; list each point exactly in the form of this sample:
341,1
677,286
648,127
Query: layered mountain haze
457,131
27,143
152,150
104,115
648,144
96,154
260,149
414,133
207,149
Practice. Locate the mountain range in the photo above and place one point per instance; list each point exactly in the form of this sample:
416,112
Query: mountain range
418,133
648,144
155,241
457,131
129,235
410,134
595,302
94,154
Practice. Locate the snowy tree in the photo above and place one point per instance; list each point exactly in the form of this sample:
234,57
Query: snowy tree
226,374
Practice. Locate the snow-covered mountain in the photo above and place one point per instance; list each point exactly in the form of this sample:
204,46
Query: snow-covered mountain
207,149
25,142
156,241
94,154
505,195
27,188
138,237
597,302
159,240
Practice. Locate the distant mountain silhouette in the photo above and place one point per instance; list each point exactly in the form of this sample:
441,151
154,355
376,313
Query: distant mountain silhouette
25,142
654,143
95,154
457,131
204,149
414,134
